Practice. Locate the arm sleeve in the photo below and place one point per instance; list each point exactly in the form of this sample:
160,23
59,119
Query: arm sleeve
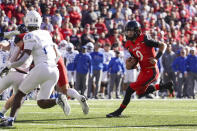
14,54
150,42
20,61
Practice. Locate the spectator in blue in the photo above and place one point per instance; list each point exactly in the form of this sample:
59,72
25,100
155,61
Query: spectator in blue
83,67
97,65
192,71
179,67
116,71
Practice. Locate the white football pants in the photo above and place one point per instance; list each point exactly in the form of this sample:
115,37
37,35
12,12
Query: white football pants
44,75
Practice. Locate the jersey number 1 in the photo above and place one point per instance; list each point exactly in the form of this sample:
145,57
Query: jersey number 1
45,51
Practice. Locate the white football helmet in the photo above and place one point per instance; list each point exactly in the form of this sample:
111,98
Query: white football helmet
33,19
90,47
69,47
63,44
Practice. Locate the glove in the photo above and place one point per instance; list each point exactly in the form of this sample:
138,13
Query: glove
4,71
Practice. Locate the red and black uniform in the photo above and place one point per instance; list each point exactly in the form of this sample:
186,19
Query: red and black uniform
143,50
63,78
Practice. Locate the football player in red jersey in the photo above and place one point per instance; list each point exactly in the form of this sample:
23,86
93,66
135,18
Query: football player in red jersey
142,47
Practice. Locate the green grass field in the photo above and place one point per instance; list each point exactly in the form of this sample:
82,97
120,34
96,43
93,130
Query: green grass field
140,115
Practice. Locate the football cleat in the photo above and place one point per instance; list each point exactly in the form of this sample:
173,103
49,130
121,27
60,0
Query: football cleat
84,105
63,103
114,114
6,123
2,117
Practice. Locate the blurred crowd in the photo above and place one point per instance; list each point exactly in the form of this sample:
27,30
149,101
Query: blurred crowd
86,25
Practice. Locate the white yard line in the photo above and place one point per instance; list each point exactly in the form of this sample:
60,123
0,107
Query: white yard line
95,126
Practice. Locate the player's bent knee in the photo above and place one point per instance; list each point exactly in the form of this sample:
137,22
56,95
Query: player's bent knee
41,104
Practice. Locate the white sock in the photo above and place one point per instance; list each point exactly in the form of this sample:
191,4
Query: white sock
56,100
73,94
10,118
3,111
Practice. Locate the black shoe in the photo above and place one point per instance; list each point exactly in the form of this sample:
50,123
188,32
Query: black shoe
149,96
193,97
114,114
96,97
169,87
6,123
2,118
118,97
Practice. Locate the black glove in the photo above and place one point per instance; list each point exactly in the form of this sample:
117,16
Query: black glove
4,71
22,28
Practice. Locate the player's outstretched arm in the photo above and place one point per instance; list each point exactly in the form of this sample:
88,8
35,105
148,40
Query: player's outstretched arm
162,47
9,34
25,55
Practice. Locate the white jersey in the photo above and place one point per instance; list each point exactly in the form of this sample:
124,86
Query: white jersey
70,56
13,52
130,75
25,66
126,55
107,55
62,51
3,58
4,55
42,46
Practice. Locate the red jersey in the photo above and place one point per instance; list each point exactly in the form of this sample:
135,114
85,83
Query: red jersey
66,32
101,27
143,49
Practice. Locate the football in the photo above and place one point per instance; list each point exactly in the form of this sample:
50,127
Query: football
131,63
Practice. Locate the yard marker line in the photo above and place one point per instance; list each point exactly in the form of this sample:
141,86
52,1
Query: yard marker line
95,126
39,112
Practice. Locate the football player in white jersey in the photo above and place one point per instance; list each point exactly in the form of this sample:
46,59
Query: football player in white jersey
4,54
108,54
39,44
62,47
66,77
63,87
69,57
16,75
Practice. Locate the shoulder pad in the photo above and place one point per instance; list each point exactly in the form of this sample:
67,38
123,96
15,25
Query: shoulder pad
29,37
